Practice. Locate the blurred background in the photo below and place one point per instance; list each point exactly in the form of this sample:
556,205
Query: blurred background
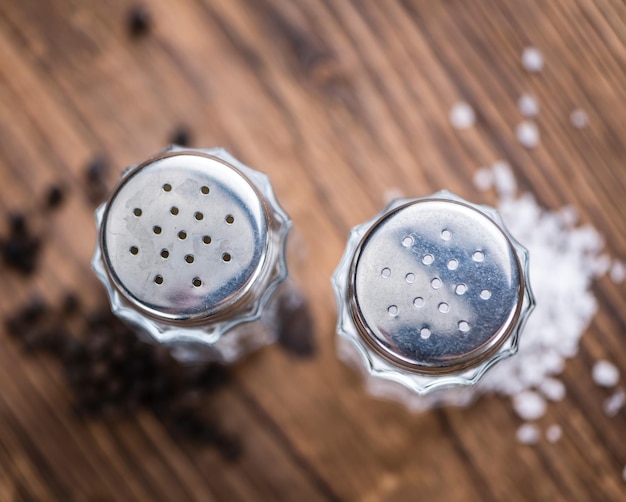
344,104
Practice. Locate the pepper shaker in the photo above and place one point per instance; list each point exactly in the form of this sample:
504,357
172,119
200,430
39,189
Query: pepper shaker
191,251
431,293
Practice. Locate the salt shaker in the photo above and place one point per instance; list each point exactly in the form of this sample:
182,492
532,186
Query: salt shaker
431,293
191,251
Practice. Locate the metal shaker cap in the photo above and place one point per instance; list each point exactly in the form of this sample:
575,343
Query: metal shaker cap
191,243
433,291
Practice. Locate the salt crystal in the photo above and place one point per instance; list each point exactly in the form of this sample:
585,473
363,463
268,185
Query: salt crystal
483,178
552,361
529,405
617,272
528,105
391,194
602,265
579,118
553,433
568,215
462,115
503,177
532,59
605,374
528,434
527,134
614,403
553,389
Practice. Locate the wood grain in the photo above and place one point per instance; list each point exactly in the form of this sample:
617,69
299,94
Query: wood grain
339,102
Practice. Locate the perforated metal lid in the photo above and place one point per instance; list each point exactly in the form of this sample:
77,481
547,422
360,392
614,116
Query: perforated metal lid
191,238
434,285
184,235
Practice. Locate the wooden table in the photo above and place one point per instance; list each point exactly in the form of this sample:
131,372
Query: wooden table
339,102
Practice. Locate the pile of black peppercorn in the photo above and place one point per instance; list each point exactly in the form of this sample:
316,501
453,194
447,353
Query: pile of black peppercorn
112,373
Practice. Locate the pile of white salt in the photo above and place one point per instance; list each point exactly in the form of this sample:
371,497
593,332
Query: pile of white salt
565,258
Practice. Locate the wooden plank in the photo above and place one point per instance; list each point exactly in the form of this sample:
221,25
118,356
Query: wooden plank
339,102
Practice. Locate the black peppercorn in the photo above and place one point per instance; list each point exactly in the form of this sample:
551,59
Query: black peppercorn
95,172
33,312
54,197
71,303
295,334
139,21
229,446
96,169
17,224
181,136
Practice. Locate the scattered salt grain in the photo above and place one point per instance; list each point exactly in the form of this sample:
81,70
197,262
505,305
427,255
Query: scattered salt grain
528,105
564,261
568,215
391,194
605,374
527,134
617,272
602,265
529,405
614,403
579,118
552,389
532,59
483,178
528,434
462,115
504,178
553,433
